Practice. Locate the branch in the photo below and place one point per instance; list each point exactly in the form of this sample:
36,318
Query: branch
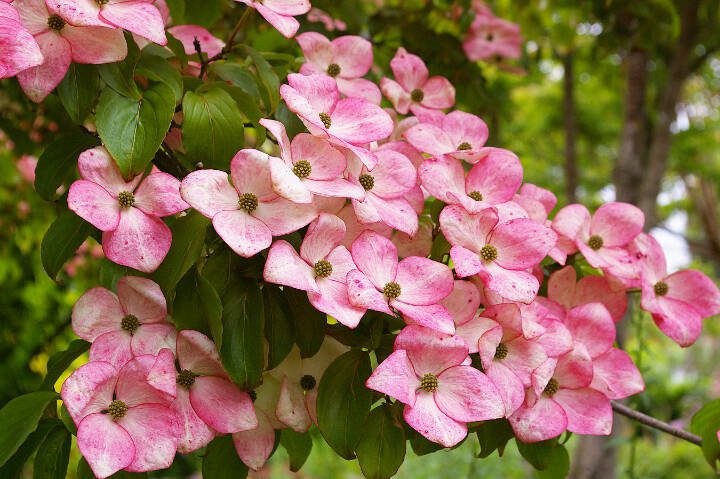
650,421
231,38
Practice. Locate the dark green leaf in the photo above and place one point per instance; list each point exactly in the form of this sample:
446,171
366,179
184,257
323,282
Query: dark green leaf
298,446
60,361
13,467
538,454
222,462
56,165
279,329
706,423
197,306
177,11
343,401
558,464
267,79
188,238
204,13
309,322
133,129
51,460
381,449
157,68
237,75
422,446
78,90
119,75
292,123
62,240
20,417
494,435
242,344
212,128
176,45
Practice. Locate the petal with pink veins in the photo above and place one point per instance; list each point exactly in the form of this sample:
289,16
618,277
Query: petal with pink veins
409,70
438,93
394,175
616,376
332,299
138,17
105,445
396,378
463,301
95,45
376,256
113,347
466,395
94,204
77,12
194,433
521,243
222,405
398,96
467,230
197,353
508,385
433,316
151,338
284,266
245,234
513,285
360,88
362,294
496,176
696,289
617,223
89,389
592,325
283,217
159,195
209,192
443,177
327,162
423,281
255,446
97,312
431,351
140,241
358,122
588,411
142,298
284,24
427,419
322,236
543,420
154,430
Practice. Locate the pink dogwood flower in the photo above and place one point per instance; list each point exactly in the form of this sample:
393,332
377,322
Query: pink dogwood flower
280,13
320,269
331,24
500,253
127,212
494,179
123,416
413,86
247,213
353,227
490,37
459,135
679,301
414,286
386,186
428,372
309,165
62,42
209,44
347,59
207,401
131,323
348,123
141,17
20,50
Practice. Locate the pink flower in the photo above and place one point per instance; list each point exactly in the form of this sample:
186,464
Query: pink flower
309,165
331,24
414,286
348,123
385,187
463,301
320,269
418,244
26,165
280,13
247,213
603,239
414,87
564,290
538,202
490,37
458,134
209,44
133,323
347,59
493,180
353,227
127,212
207,401
62,43
428,373
500,253
20,50
141,17
678,302
123,416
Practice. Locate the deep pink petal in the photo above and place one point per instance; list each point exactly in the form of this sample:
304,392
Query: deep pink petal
95,45
466,395
140,241
467,128
508,384
187,34
588,411
598,289
592,325
462,302
316,49
497,176
617,223
37,82
362,294
394,175
398,96
353,54
409,70
678,320
322,236
616,376
376,256
438,93
358,121
543,420
327,162
696,289
521,243
106,445
141,18
151,338
574,370
286,25
423,281
433,316
333,300
573,222
20,50
427,419
94,204
431,351
442,176
133,387
222,405
430,139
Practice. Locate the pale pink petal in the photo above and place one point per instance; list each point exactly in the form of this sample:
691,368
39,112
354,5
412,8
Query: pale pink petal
574,370
287,184
561,286
316,49
426,418
154,430
95,45
94,204
573,221
159,195
277,129
616,376
617,223
543,420
431,351
588,411
438,93
510,284
96,165
194,433
97,312
396,378
478,332
464,229
89,389
376,256
283,217
432,316
678,320
398,96
151,338
140,241
133,387
358,122
497,176
106,446
308,96
362,293
409,70
394,174
245,234
197,353
284,266
209,192
521,243
465,262
138,17
250,173
524,357
360,88
466,395
20,50
353,54
443,177
508,385
696,289
423,281
113,347
76,12
430,139
597,289
395,212
222,405
255,446
291,409
326,161
286,25
142,298
462,302
187,34
322,236
333,300
288,7
464,127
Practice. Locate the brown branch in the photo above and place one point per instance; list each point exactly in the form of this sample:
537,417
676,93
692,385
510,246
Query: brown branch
231,38
650,421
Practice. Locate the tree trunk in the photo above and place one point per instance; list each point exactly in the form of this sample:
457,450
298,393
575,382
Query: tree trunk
570,126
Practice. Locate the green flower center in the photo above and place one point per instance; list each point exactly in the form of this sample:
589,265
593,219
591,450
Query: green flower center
323,268
308,382
464,146
488,253
126,199
367,181
417,95
186,378
130,323
476,195
392,290
333,70
325,118
248,202
429,383
661,288
501,351
117,409
55,22
552,387
595,242
302,169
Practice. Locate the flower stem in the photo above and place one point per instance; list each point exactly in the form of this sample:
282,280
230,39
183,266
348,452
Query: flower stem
650,421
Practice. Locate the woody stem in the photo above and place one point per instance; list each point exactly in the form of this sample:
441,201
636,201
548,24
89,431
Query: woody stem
650,421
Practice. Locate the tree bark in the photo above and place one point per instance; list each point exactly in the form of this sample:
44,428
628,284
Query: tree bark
570,126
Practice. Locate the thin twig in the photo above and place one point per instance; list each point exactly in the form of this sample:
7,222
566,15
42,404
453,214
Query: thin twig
203,61
650,421
231,38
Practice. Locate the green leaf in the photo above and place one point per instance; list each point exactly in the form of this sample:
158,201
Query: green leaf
309,322
706,423
538,454
197,306
267,79
188,239
119,75
494,436
62,240
242,344
343,401
174,44
248,106
60,361
133,129
221,460
279,328
298,446
158,69
20,417
53,456
177,11
212,128
237,75
204,13
78,91
381,449
558,464
13,467
422,446
56,165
